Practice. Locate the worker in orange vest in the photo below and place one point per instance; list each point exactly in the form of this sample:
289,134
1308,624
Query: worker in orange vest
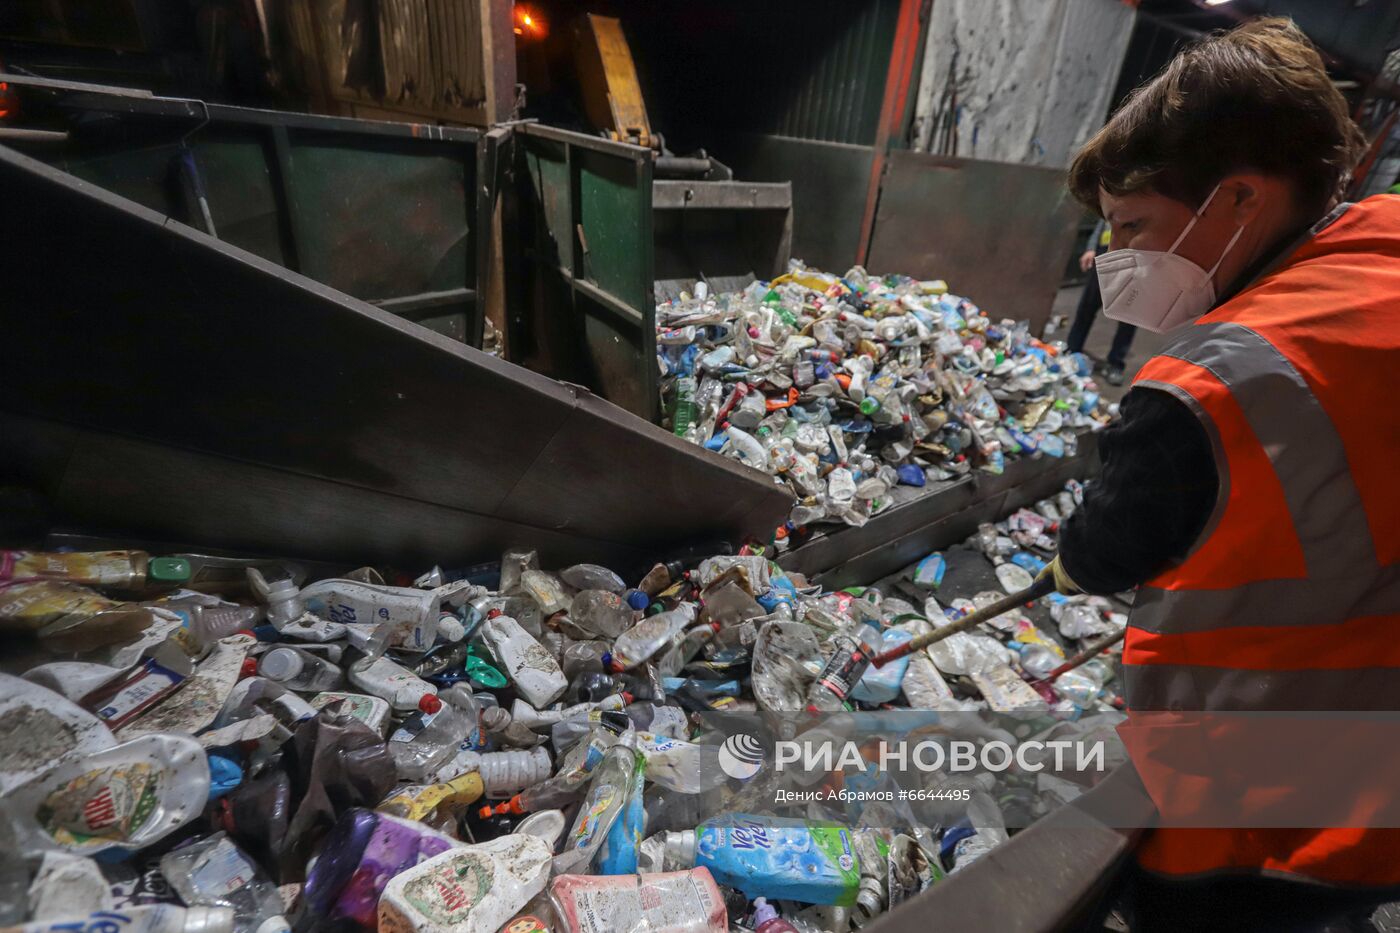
1249,491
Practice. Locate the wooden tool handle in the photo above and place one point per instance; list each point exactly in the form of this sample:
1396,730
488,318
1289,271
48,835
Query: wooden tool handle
1036,590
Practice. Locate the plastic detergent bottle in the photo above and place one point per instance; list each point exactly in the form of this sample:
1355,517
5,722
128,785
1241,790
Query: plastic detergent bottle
124,797
411,614
213,872
361,853
426,740
119,570
536,675
472,889
372,711
439,805
766,918
42,729
404,691
679,765
881,684
156,918
785,859
299,670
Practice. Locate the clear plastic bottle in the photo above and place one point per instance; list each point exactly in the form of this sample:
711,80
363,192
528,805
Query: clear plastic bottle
683,649
426,740
514,562
643,640
500,727
592,577
566,784
600,808
599,614
850,654
213,872
299,670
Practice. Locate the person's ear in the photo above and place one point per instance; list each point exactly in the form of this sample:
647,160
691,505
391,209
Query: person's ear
1243,194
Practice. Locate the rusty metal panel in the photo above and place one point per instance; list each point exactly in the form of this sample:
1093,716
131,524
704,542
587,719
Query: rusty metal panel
998,233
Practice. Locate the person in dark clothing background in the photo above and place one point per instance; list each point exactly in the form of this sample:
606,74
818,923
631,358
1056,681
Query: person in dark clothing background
1090,301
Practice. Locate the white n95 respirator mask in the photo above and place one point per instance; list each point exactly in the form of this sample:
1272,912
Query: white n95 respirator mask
1158,291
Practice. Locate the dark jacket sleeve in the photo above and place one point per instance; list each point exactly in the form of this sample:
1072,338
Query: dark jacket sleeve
1150,501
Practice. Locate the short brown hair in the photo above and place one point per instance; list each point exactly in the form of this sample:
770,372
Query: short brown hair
1255,98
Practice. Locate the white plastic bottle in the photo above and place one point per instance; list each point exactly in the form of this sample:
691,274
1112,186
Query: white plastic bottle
372,711
254,695
411,614
426,740
157,918
504,774
468,889
543,720
404,690
536,675
299,670
681,766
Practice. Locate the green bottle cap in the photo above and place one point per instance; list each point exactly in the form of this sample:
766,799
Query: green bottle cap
168,570
479,672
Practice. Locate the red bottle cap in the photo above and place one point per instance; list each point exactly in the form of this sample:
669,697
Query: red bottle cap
249,668
429,703
493,613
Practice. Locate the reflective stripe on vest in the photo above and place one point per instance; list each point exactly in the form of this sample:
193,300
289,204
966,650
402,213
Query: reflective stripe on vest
1290,597
1270,623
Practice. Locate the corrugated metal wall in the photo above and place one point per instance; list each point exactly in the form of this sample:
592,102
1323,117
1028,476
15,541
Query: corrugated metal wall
827,82
805,69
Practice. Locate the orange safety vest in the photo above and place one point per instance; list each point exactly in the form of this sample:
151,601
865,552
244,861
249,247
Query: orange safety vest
1290,596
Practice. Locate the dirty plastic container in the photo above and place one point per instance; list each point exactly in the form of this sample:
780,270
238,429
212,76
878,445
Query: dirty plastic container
125,797
472,889
669,902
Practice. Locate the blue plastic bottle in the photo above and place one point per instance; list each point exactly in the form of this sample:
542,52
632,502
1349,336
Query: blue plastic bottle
781,859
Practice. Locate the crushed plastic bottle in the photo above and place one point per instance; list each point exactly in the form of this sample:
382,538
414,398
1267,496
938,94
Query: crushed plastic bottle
758,374
406,773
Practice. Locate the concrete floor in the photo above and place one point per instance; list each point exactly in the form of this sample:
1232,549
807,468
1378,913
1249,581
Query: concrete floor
1145,344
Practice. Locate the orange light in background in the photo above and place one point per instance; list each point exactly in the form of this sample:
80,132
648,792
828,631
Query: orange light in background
529,24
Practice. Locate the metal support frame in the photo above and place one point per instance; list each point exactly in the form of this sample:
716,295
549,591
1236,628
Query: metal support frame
214,397
124,139
587,312
892,111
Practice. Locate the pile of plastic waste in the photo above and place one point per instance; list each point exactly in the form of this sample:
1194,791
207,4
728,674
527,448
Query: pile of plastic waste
844,388
203,744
